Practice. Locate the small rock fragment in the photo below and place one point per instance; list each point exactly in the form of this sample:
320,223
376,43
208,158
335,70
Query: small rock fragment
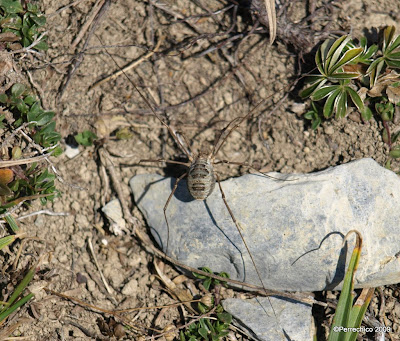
131,288
113,212
71,152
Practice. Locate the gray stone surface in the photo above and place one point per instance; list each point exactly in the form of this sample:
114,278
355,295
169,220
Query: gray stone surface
292,321
294,229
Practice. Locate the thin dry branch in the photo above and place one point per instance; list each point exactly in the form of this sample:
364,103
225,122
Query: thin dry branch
94,12
303,297
10,163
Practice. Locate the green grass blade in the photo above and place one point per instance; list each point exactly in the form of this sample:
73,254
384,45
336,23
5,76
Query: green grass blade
344,306
7,241
21,286
14,307
11,221
358,311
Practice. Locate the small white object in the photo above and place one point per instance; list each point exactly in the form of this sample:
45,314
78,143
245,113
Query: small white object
113,212
71,152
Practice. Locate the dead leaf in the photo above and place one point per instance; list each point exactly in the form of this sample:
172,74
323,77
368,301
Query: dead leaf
8,37
393,94
182,294
105,126
387,85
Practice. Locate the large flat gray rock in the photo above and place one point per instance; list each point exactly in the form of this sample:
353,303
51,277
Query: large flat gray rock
294,229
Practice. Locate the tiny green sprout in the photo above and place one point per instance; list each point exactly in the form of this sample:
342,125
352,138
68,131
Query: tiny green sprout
208,281
313,116
85,138
207,329
395,152
385,110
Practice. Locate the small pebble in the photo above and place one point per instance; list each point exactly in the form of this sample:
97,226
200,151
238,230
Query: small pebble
329,130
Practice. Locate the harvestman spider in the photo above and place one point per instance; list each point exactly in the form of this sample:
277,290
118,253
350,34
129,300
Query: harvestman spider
201,174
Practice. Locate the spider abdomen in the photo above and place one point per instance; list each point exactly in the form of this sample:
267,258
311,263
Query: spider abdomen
201,179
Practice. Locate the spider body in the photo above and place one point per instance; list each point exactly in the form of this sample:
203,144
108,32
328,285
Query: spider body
201,177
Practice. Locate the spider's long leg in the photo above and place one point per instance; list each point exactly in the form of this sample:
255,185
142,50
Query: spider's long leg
239,228
234,124
154,111
245,164
166,161
166,206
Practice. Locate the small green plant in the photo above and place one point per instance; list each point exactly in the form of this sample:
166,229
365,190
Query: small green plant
85,138
348,317
24,22
209,282
209,329
23,119
358,75
26,108
390,55
206,329
313,116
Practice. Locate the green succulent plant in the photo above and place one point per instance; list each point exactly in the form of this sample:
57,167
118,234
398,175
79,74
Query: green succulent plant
334,83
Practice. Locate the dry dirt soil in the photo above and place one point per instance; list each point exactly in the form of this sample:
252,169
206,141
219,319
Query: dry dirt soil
207,70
